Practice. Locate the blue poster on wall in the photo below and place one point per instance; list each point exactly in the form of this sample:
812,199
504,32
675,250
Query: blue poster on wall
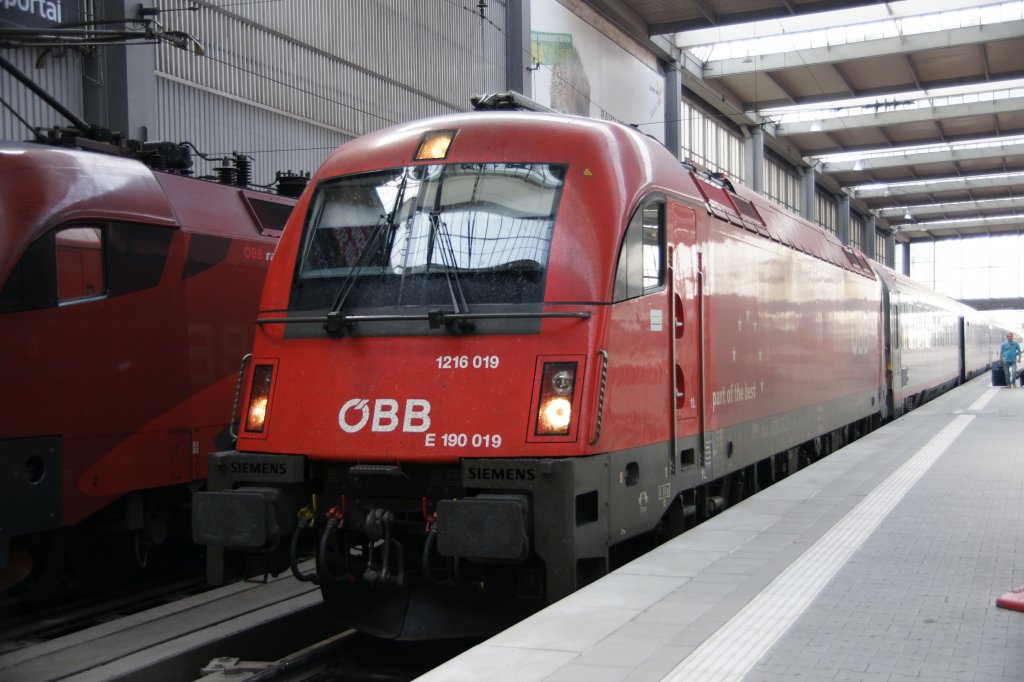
39,13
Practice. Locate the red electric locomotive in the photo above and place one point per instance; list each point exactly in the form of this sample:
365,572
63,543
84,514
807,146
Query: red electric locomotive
126,299
497,352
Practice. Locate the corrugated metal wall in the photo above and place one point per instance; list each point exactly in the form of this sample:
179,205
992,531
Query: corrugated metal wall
289,81
58,72
276,142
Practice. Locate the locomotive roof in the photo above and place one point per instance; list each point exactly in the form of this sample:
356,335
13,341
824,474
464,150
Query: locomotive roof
522,136
68,184
515,136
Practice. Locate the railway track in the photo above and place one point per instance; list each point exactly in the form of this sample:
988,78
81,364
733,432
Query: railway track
27,620
278,629
345,657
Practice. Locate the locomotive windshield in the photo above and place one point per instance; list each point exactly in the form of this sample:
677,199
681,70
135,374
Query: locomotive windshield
438,235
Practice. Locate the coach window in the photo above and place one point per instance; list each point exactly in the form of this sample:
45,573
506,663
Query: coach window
80,263
641,268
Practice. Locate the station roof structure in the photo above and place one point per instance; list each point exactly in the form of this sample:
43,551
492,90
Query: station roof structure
915,109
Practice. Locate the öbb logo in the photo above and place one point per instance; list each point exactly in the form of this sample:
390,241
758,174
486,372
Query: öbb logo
355,414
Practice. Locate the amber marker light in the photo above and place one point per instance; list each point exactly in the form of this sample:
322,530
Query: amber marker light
259,396
435,145
554,413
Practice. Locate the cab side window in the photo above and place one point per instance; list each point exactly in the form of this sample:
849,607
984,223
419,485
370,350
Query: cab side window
64,265
80,272
641,267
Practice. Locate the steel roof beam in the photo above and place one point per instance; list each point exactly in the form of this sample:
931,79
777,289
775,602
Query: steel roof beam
1000,222
806,17
989,205
903,160
938,185
782,88
707,10
756,14
634,25
846,81
919,115
970,35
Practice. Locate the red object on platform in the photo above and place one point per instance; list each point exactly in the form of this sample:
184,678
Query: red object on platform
1012,600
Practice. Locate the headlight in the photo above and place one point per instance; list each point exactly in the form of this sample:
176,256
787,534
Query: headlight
555,417
259,397
554,412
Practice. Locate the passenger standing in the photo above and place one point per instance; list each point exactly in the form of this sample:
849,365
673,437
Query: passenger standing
1009,351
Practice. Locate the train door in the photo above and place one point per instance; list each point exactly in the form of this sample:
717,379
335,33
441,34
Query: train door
686,351
897,373
962,339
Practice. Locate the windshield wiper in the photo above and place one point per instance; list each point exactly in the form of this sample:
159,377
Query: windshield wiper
334,323
435,318
448,262
442,238
331,324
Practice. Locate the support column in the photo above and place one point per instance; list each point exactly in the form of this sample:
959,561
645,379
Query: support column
517,47
753,153
673,108
119,83
807,182
843,219
906,257
870,236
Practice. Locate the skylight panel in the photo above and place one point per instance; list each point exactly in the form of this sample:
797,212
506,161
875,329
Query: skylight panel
769,40
919,99
932,182
994,142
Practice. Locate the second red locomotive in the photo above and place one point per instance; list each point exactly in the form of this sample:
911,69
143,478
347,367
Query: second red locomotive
498,352
126,301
